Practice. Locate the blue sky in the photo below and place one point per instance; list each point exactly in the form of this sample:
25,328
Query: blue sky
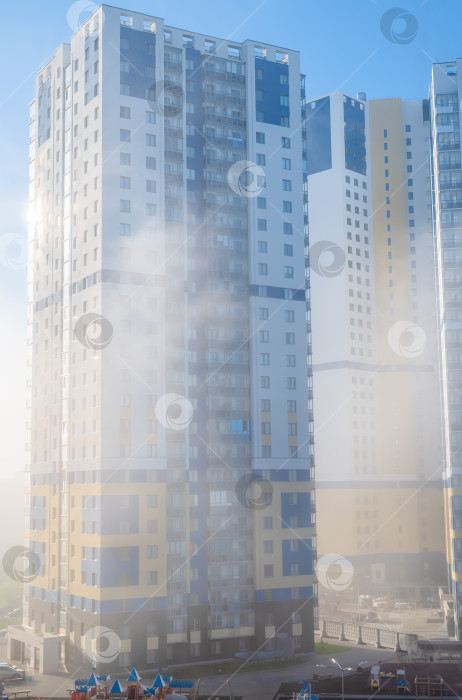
342,46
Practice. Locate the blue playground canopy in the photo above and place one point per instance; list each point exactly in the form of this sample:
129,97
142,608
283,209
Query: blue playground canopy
134,676
92,682
116,688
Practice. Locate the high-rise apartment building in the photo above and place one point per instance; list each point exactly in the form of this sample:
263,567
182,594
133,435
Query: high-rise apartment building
445,107
408,425
373,372
343,321
168,350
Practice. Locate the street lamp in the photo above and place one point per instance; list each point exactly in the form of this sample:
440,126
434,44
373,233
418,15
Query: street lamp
347,668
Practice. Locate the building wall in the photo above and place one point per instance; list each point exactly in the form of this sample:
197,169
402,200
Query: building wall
445,91
168,346
392,514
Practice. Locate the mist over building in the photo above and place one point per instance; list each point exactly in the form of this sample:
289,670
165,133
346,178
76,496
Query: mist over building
170,440
375,361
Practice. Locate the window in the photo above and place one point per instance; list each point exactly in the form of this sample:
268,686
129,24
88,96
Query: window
285,142
150,163
264,382
124,182
125,205
261,202
151,551
125,112
263,314
150,186
268,570
289,314
125,159
124,135
261,160
150,209
286,164
151,526
260,137
288,272
290,338
287,228
287,185
267,546
150,117
288,250
287,207
267,522
151,578
262,247
150,140
124,229
291,383
259,74
262,224
264,358
262,269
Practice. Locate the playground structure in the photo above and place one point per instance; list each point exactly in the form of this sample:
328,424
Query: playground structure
163,686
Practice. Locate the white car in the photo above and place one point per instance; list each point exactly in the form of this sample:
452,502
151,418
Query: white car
10,673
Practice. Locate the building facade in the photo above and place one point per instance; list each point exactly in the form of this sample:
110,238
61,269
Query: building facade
445,95
409,427
380,477
170,436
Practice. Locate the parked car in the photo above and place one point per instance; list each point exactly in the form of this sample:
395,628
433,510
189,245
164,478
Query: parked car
15,612
382,603
10,672
372,616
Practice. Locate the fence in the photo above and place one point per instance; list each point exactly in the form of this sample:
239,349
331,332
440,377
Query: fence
361,633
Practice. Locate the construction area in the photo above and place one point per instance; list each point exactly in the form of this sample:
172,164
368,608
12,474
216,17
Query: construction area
414,680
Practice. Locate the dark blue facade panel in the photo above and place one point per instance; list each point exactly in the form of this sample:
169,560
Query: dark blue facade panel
119,566
256,290
355,135
114,510
282,594
318,136
272,92
139,54
44,112
296,505
302,558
